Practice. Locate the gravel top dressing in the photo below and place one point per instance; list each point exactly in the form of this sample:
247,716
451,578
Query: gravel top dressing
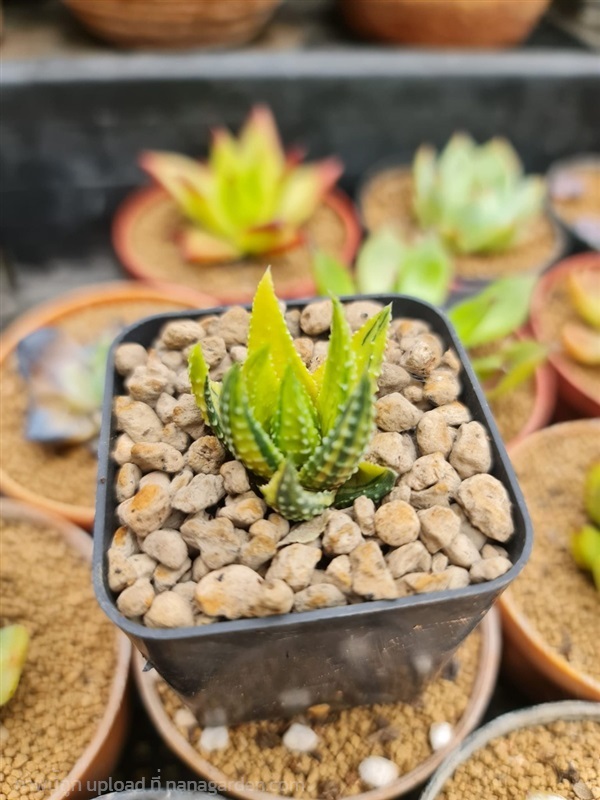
197,542
513,410
153,240
65,474
388,200
560,758
65,685
259,753
556,596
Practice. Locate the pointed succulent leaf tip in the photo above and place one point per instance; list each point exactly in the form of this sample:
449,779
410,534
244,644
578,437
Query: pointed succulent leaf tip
378,262
331,276
295,426
65,385
519,361
285,493
370,341
475,197
338,457
584,291
245,436
202,386
592,493
498,311
262,383
268,327
370,480
14,643
248,199
340,375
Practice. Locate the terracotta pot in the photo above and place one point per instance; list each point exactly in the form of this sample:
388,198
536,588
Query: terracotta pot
53,312
502,726
538,669
545,245
102,753
482,691
228,283
445,23
173,23
574,391
570,214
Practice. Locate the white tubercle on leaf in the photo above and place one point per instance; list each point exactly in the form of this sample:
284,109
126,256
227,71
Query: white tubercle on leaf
376,772
440,735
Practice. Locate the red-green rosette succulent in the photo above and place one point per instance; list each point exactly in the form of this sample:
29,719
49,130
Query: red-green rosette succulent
249,198
300,435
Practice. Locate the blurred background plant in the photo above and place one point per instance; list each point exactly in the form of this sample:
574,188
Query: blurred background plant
14,643
585,543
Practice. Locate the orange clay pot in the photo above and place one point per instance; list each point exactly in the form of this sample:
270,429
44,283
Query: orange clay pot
98,759
570,388
54,311
536,668
174,24
445,23
147,200
483,688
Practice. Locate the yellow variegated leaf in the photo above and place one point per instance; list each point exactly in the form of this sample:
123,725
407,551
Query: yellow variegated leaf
295,427
339,376
369,343
262,385
286,495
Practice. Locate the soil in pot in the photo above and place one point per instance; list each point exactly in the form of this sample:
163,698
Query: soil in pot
387,200
145,236
260,755
65,475
435,531
560,758
66,683
554,599
575,196
552,309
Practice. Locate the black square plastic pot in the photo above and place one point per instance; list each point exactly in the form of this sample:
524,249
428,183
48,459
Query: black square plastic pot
372,652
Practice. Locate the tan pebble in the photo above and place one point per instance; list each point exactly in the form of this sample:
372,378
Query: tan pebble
412,557
181,333
128,356
339,573
136,599
169,610
439,528
394,413
370,576
121,452
206,455
244,513
364,513
294,565
137,420
146,510
487,505
433,434
234,325
471,453
358,312
229,592
396,523
156,456
165,578
342,535
127,481
235,477
488,569
202,492
121,573
393,450
218,540
167,547
442,387
462,552
315,318
325,595
274,597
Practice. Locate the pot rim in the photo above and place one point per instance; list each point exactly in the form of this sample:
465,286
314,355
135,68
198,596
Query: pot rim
460,283
78,540
51,312
588,159
483,687
553,666
138,201
542,714
317,616
559,362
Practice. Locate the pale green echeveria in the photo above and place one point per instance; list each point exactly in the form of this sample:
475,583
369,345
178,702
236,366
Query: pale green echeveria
14,643
248,198
300,435
384,265
493,317
65,386
475,197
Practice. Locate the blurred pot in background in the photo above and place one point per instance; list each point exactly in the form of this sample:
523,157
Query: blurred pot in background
445,23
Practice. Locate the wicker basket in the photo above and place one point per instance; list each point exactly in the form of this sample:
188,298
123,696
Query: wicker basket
445,23
173,24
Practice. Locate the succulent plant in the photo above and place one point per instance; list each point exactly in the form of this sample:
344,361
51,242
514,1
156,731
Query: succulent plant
65,384
249,198
14,642
384,264
475,196
585,543
492,318
581,339
301,435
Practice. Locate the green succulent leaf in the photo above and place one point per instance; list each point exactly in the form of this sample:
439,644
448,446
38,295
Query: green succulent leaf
370,480
262,383
425,272
378,262
295,428
339,377
14,643
268,327
243,434
519,362
498,311
338,457
212,402
288,497
331,276
198,372
369,343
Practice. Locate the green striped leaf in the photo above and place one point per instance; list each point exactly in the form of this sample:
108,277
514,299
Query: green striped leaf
262,384
198,372
370,480
288,497
370,341
295,428
244,435
338,457
339,376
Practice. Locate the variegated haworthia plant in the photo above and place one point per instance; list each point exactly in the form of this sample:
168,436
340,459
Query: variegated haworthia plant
301,435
